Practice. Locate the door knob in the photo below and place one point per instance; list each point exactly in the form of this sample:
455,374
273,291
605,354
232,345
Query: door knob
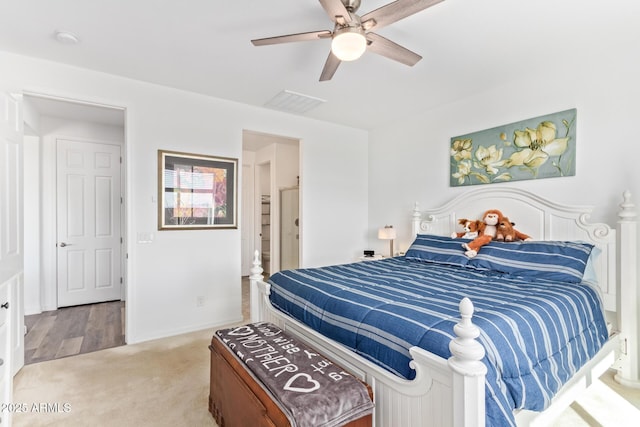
63,244
5,305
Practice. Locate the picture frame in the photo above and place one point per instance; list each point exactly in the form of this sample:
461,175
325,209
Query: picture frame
196,192
536,148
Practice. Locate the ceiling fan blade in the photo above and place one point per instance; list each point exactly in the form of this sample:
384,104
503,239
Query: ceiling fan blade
391,50
392,12
330,67
313,35
336,11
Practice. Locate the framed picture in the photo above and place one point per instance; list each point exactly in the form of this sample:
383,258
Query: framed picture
196,191
541,147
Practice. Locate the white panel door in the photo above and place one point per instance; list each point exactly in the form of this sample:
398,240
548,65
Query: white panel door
11,247
88,222
6,379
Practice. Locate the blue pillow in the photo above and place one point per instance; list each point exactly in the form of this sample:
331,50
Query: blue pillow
438,249
590,271
548,260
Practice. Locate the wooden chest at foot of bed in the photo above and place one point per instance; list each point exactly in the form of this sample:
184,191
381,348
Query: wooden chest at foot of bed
237,400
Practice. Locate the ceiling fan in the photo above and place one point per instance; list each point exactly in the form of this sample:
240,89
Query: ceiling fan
352,35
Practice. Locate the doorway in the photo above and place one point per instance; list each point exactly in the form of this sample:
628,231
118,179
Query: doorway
273,166
75,174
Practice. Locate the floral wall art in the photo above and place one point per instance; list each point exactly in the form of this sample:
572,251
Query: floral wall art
542,147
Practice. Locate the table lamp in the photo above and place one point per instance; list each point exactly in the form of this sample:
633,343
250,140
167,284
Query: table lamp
388,233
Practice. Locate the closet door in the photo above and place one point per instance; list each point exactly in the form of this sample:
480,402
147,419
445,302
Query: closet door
289,228
88,222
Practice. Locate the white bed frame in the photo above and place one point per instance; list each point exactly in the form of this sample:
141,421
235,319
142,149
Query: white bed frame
451,392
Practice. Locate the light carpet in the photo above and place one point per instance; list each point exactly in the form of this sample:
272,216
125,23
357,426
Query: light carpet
157,383
166,383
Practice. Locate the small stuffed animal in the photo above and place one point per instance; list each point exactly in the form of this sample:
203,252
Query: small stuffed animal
486,233
470,228
506,232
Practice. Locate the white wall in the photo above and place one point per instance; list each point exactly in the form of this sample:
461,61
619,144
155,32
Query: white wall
166,277
331,231
32,206
409,160
288,170
32,195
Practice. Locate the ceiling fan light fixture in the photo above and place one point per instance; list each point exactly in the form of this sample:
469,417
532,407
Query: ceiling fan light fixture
352,34
349,43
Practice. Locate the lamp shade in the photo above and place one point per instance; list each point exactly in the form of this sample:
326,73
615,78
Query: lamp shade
387,233
348,43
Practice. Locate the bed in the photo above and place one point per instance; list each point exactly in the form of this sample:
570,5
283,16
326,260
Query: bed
443,366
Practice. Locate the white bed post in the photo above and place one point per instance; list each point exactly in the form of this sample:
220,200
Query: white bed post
628,306
415,220
254,294
468,371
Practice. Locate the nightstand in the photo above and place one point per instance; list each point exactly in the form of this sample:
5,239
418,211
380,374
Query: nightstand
370,258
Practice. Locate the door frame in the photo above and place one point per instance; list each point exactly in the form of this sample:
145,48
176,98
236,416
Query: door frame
47,208
247,240
264,177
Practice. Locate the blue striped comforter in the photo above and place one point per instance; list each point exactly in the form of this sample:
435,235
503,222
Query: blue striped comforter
536,334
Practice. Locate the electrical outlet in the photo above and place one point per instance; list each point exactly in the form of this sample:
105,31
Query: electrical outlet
200,301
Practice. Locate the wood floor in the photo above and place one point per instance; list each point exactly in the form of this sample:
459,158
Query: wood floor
81,329
75,330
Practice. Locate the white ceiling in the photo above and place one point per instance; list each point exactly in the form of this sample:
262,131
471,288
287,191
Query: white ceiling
204,46
67,109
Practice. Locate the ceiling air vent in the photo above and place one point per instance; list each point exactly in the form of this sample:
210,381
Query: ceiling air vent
293,102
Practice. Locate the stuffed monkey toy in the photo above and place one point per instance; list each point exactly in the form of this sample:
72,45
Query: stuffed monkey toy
486,233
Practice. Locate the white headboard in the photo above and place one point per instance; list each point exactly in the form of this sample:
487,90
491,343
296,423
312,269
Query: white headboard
540,218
